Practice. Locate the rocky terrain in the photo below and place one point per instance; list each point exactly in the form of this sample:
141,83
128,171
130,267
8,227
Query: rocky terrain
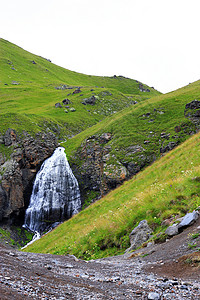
18,170
166,271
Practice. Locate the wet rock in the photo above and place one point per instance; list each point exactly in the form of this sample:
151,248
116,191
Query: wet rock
139,235
18,173
188,220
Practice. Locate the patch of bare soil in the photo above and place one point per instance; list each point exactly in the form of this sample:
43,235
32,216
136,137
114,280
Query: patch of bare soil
169,271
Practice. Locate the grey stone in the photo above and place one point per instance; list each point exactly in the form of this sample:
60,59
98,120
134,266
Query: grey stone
188,220
172,230
139,235
58,105
66,101
72,109
10,137
154,296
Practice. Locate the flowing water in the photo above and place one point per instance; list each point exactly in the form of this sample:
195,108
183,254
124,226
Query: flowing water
55,196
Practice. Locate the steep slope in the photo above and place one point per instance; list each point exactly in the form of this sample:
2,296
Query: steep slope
117,148
41,103
167,189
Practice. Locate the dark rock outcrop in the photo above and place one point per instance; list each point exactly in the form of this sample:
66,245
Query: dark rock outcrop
192,112
98,169
18,171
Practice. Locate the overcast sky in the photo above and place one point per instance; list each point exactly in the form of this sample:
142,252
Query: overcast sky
154,41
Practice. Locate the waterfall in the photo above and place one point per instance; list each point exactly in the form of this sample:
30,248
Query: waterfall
55,196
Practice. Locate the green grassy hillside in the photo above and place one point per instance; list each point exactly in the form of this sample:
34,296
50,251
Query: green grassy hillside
169,187
145,122
31,85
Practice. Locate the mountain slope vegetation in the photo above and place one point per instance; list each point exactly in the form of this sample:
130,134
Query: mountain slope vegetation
167,189
111,128
30,86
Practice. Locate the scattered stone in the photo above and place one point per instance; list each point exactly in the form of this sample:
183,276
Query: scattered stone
72,109
142,89
58,105
33,62
15,82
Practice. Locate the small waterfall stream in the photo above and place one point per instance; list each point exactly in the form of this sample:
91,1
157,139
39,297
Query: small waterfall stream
55,196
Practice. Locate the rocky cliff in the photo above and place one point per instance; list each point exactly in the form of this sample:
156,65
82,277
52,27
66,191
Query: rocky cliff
20,159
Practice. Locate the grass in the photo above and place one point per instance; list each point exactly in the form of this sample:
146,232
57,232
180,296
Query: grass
29,91
168,187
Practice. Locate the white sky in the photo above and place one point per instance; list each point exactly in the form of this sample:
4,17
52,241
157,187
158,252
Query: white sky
153,41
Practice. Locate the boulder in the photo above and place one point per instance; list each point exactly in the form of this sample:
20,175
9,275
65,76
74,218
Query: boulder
139,235
72,109
66,101
172,230
188,220
58,105
91,100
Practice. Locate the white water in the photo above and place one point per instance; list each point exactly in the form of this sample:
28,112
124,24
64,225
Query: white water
55,196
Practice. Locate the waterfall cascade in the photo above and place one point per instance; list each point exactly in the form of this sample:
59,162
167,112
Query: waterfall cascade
55,196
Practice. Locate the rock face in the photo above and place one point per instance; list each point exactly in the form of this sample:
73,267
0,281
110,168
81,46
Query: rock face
139,235
97,168
192,111
18,171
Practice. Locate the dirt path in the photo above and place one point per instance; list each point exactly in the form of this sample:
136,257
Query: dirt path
160,269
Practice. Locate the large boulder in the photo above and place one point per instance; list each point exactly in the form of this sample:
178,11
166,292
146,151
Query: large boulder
188,220
139,235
